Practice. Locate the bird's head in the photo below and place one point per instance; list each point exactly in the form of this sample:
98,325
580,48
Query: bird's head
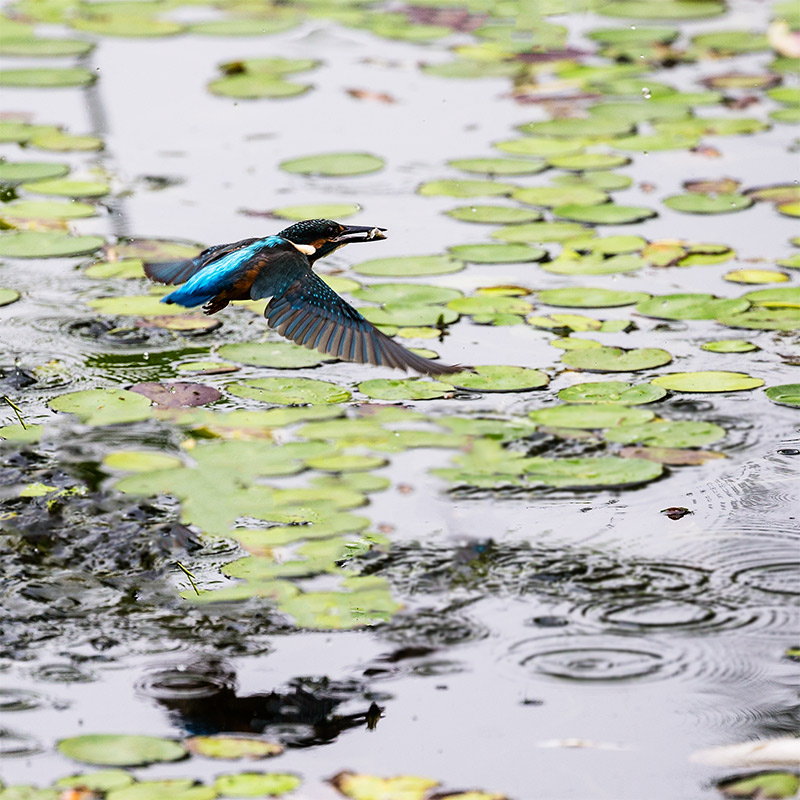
325,236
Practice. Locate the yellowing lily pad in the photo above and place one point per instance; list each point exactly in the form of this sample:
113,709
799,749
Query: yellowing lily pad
120,750
369,787
709,381
232,747
334,164
756,276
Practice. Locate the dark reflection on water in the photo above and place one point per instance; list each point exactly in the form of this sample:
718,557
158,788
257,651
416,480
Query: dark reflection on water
201,699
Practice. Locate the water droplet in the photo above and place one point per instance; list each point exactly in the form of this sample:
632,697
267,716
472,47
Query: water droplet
646,93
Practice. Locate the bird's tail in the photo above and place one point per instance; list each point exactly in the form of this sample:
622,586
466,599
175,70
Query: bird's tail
171,272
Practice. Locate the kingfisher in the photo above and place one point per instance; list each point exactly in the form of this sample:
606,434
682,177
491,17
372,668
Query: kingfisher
303,307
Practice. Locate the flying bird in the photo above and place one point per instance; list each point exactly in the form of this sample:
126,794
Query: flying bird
303,307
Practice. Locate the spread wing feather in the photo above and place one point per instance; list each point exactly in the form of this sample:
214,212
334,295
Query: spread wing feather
174,272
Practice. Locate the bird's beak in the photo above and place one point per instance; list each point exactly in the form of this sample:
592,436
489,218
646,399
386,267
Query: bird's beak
359,233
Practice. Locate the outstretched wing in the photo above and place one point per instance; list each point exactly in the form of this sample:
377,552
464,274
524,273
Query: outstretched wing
307,311
174,272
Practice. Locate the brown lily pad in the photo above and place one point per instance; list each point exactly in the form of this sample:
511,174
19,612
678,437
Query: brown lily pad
742,80
712,185
777,193
179,394
672,456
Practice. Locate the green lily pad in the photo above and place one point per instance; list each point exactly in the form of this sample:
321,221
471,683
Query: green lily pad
764,319
646,143
498,253
346,463
638,111
587,297
550,196
102,780
667,434
600,179
334,164
763,785
471,70
47,244
490,304
248,86
710,381
16,172
63,187
103,407
591,417
498,166
153,250
140,460
617,392
177,788
614,359
698,203
16,433
540,147
232,747
44,48
401,314
786,296
729,346
571,343
710,126
494,215
409,266
290,391
731,42
690,306
120,750
317,211
789,95
584,473
495,378
137,306
607,245
47,77
792,262
594,128
787,394
278,355
61,142
662,9
404,389
594,264
406,293
8,296
605,214
130,268
634,34
583,162
538,232
24,210
246,26
465,188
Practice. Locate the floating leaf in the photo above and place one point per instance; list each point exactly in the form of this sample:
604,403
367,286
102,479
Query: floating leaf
317,211
550,196
671,456
764,786
179,394
583,473
657,141
667,434
607,181
140,461
103,407
614,359
334,164
403,314
47,244
490,304
59,141
43,48
788,394
404,389
605,214
127,25
368,787
47,77
590,417
257,26
64,187
8,296
495,378
790,209
607,245
662,9
756,276
497,253
278,355
153,250
232,747
175,789
538,232
729,346
406,293
586,297
618,392
494,215
256,784
710,381
142,306
120,750
540,147
594,128
102,780
256,86
25,210
465,188
690,306
765,319
582,162
15,172
594,264
409,266
346,463
290,391
698,203
498,166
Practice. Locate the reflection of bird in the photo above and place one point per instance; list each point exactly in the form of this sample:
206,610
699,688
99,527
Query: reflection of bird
303,307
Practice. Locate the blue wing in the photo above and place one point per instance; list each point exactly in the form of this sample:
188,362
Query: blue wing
307,311
173,272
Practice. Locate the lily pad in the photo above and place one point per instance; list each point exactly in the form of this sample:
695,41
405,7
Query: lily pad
16,172
152,250
247,26
587,297
583,162
607,245
465,188
617,392
605,214
47,77
136,306
590,417
64,187
764,319
334,164
729,346
490,304
594,264
44,48
254,86
538,232
103,407
494,215
787,394
369,787
662,9
290,391
120,750
126,25
646,143
178,394
170,789
585,473
406,293
614,359
47,244
498,253
141,460
690,306
101,780
404,389
601,179
25,210
762,785
495,378
667,434
698,203
401,314
541,147
409,266
232,747
710,381
756,276
62,142
551,196
498,166
8,296
317,211
594,128
278,355
256,784
789,209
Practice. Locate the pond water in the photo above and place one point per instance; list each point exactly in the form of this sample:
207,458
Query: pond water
500,586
